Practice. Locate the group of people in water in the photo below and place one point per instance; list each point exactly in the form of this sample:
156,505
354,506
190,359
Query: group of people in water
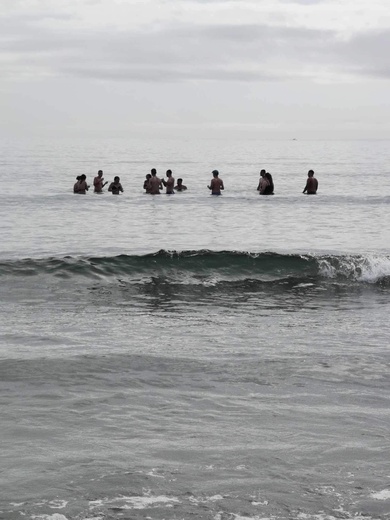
82,187
153,184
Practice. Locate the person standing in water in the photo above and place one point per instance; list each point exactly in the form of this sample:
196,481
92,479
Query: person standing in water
262,175
264,184
155,183
269,190
216,184
180,186
76,184
147,183
81,186
169,183
311,184
115,187
98,182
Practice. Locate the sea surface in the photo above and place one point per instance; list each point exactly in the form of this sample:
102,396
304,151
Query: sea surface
188,356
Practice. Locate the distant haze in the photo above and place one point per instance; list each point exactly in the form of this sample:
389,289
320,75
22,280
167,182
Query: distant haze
267,69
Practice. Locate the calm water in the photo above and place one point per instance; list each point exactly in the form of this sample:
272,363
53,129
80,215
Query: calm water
190,356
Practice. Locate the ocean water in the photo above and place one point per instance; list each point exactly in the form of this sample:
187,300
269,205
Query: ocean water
189,356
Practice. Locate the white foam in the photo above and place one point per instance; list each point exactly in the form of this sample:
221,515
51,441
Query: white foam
96,503
153,473
57,504
214,498
326,269
374,268
240,517
137,502
381,495
56,516
218,516
368,268
144,502
324,516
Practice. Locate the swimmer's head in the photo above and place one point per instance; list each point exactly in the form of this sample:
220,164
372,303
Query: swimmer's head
215,173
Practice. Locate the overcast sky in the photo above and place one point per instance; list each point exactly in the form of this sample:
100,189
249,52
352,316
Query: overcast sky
210,68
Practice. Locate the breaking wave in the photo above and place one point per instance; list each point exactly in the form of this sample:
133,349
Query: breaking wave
205,266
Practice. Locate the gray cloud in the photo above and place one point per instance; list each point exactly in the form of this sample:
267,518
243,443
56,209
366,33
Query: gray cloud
304,2
369,48
190,52
75,73
167,75
22,20
224,2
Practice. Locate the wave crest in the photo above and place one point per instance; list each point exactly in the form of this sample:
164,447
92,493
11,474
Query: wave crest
360,268
210,267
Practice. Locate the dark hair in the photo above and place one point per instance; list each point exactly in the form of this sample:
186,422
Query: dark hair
179,180
169,171
153,171
116,178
